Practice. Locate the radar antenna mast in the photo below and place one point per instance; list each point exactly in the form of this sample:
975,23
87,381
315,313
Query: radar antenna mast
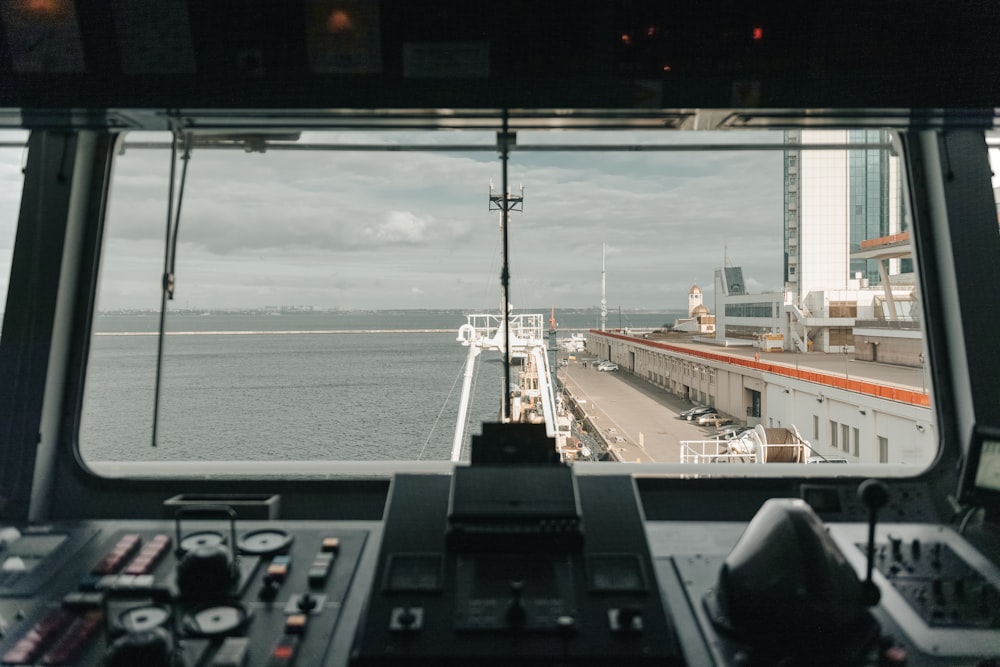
505,203
519,336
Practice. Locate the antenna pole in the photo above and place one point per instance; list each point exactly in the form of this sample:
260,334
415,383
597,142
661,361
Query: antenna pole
505,203
604,296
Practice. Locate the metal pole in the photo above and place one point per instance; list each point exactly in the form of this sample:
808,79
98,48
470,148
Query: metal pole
505,271
505,202
923,378
604,300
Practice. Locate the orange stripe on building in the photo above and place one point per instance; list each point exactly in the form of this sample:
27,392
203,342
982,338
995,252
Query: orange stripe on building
897,394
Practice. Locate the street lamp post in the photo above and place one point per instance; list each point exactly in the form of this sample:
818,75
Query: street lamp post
846,376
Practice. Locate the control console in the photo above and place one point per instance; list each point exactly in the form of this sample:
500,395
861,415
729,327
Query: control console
935,587
200,591
529,564
526,564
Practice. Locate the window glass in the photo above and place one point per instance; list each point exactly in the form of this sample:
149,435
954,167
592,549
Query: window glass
12,155
335,305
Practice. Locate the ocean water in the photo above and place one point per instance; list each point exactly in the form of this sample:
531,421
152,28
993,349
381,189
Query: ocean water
346,394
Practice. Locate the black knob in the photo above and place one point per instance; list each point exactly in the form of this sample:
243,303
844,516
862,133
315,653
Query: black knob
204,571
149,648
307,603
406,618
873,493
269,588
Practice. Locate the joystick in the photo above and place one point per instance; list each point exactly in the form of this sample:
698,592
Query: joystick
516,613
208,568
874,494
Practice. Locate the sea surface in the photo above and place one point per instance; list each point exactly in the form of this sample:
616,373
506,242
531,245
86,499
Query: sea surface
359,386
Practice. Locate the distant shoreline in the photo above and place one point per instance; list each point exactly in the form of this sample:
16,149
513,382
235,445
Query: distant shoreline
284,333
272,333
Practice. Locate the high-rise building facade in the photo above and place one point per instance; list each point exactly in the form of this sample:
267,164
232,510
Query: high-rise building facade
845,259
833,201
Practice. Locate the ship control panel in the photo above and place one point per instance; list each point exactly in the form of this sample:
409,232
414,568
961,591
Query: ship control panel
512,559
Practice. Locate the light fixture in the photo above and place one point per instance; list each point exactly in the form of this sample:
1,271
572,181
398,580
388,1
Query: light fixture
920,427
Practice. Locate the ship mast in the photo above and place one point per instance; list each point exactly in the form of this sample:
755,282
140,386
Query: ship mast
521,335
604,296
505,203
478,333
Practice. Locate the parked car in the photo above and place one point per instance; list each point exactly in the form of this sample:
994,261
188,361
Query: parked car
713,418
607,366
692,413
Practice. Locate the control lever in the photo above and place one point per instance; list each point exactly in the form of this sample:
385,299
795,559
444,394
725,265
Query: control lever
207,569
874,494
150,648
269,588
566,626
516,613
138,636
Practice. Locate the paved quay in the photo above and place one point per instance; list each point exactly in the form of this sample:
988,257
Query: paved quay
638,420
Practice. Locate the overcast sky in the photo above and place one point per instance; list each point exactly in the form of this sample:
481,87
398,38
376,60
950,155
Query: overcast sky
413,229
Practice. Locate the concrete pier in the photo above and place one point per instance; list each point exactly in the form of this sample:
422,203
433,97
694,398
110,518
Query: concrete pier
863,411
637,420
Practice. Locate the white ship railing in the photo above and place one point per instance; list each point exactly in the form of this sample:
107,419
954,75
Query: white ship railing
545,390
715,451
485,331
750,447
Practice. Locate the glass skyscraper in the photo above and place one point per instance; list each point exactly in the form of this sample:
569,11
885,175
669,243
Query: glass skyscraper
834,200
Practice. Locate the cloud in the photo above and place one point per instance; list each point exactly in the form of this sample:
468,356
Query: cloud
402,227
414,229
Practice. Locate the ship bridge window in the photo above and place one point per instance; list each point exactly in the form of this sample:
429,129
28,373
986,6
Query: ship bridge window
336,302
12,154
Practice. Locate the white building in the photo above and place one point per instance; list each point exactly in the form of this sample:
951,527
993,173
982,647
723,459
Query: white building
699,319
846,256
